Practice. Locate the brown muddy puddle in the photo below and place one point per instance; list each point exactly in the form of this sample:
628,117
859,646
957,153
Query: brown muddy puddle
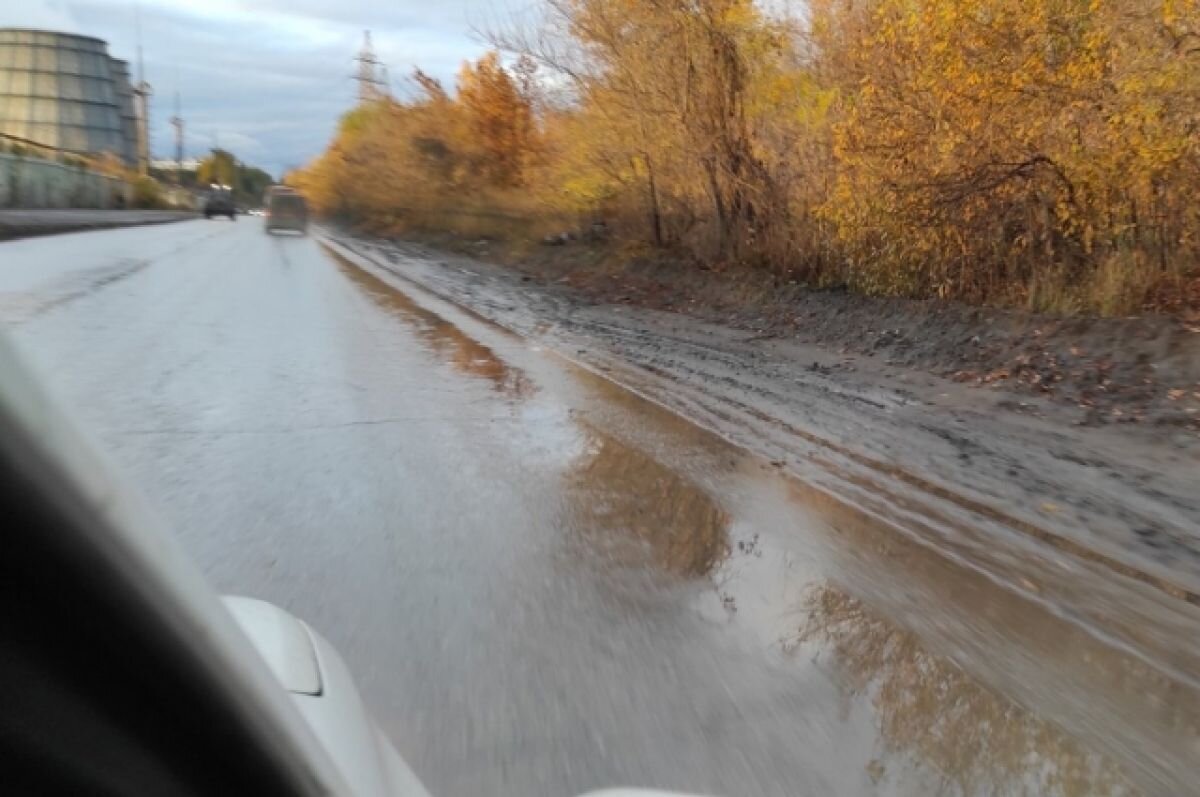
970,684
465,354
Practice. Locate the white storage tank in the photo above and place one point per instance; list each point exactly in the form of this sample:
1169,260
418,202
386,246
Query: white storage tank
63,91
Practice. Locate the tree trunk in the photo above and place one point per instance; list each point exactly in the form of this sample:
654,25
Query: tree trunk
719,210
655,214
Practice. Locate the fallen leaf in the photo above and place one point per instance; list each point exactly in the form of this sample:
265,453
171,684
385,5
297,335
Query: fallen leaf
999,373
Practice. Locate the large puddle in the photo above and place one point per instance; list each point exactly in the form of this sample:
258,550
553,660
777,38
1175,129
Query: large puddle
969,683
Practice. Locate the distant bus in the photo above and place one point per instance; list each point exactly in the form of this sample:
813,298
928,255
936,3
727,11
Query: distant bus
285,209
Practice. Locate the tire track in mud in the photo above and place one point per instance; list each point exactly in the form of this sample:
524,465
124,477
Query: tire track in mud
823,414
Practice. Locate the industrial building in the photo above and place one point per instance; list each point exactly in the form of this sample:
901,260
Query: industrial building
129,113
64,92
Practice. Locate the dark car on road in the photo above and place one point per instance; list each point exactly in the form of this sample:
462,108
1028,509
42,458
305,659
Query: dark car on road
286,210
220,203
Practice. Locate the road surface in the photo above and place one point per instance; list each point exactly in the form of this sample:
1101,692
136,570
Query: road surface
544,583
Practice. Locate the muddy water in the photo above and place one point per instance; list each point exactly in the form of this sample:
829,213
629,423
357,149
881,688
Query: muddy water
546,584
966,682
992,691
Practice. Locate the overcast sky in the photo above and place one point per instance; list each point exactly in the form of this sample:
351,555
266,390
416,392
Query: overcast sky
268,78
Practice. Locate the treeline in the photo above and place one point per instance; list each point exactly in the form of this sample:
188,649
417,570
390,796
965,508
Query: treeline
1042,153
464,162
248,183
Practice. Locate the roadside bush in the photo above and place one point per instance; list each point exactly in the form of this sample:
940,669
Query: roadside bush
1037,153
1034,152
147,194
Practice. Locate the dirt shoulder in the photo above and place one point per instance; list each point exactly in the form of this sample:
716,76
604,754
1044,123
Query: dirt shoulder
1141,371
1003,473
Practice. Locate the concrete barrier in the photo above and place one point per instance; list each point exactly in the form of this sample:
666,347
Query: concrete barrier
37,183
26,222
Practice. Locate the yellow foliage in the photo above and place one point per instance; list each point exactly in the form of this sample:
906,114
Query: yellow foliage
1043,152
395,166
986,144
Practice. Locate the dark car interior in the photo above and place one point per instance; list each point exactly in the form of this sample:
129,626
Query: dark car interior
101,695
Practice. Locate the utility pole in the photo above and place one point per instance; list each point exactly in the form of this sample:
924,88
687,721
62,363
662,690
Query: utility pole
368,71
177,123
142,93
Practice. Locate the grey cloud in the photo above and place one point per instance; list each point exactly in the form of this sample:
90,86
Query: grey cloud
48,14
272,94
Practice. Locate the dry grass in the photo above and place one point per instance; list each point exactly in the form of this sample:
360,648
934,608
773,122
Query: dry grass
1125,283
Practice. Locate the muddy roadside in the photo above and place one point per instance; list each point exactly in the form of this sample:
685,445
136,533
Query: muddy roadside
1139,371
996,478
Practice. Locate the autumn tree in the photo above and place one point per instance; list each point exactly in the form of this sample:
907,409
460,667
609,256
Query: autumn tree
435,159
669,88
218,167
246,182
1013,146
1036,152
499,118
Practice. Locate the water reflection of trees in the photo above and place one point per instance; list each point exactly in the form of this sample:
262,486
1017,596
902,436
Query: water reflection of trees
978,741
636,511
463,352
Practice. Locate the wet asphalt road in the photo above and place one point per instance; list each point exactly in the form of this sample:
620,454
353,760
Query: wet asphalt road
544,583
